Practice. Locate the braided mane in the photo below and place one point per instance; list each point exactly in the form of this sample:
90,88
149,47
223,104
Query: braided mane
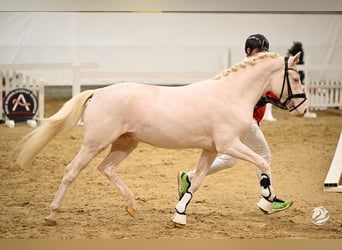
248,61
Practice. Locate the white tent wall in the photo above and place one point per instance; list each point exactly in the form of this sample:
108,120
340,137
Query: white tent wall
205,43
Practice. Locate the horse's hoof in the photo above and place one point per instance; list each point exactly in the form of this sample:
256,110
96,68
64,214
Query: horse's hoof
179,219
50,222
265,205
130,211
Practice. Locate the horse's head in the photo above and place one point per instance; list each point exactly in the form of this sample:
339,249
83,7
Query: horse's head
291,92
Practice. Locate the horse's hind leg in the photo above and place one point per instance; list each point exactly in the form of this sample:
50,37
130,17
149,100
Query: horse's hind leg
202,168
121,148
84,156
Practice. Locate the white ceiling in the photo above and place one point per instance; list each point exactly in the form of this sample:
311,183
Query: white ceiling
303,6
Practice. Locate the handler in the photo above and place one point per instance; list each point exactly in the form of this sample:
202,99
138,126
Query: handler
254,139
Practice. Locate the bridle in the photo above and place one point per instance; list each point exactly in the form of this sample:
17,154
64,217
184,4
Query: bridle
283,105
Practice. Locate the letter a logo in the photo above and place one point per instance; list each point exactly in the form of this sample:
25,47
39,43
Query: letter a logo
20,105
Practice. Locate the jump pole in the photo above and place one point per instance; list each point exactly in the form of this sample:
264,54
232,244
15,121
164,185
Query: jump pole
333,178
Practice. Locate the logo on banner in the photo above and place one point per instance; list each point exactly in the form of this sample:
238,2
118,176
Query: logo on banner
20,105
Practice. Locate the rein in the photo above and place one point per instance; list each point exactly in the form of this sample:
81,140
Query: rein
283,105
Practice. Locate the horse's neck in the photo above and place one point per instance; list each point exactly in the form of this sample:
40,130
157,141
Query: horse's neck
255,80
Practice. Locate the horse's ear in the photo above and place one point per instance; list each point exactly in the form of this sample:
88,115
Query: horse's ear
296,58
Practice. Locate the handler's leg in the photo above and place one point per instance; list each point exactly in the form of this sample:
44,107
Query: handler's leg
220,163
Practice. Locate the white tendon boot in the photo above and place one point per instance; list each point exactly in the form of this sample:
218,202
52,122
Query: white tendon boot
180,216
265,203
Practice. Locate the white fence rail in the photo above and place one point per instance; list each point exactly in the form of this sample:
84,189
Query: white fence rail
75,70
322,94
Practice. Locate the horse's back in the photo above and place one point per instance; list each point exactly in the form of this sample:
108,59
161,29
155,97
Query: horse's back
135,95
162,116
169,117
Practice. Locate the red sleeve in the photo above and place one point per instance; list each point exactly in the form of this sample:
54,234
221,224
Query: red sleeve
259,112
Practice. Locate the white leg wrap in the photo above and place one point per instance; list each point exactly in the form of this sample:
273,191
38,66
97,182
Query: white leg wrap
266,189
180,216
183,203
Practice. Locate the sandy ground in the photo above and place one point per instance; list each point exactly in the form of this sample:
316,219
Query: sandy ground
223,208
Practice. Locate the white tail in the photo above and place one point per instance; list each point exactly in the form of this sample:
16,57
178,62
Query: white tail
64,120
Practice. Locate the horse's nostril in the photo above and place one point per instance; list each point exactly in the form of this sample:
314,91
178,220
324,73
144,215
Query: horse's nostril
305,111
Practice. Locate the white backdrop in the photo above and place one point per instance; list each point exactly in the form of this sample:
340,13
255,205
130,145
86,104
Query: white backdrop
162,42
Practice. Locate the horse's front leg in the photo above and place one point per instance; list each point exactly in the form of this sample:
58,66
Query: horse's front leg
241,151
202,168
